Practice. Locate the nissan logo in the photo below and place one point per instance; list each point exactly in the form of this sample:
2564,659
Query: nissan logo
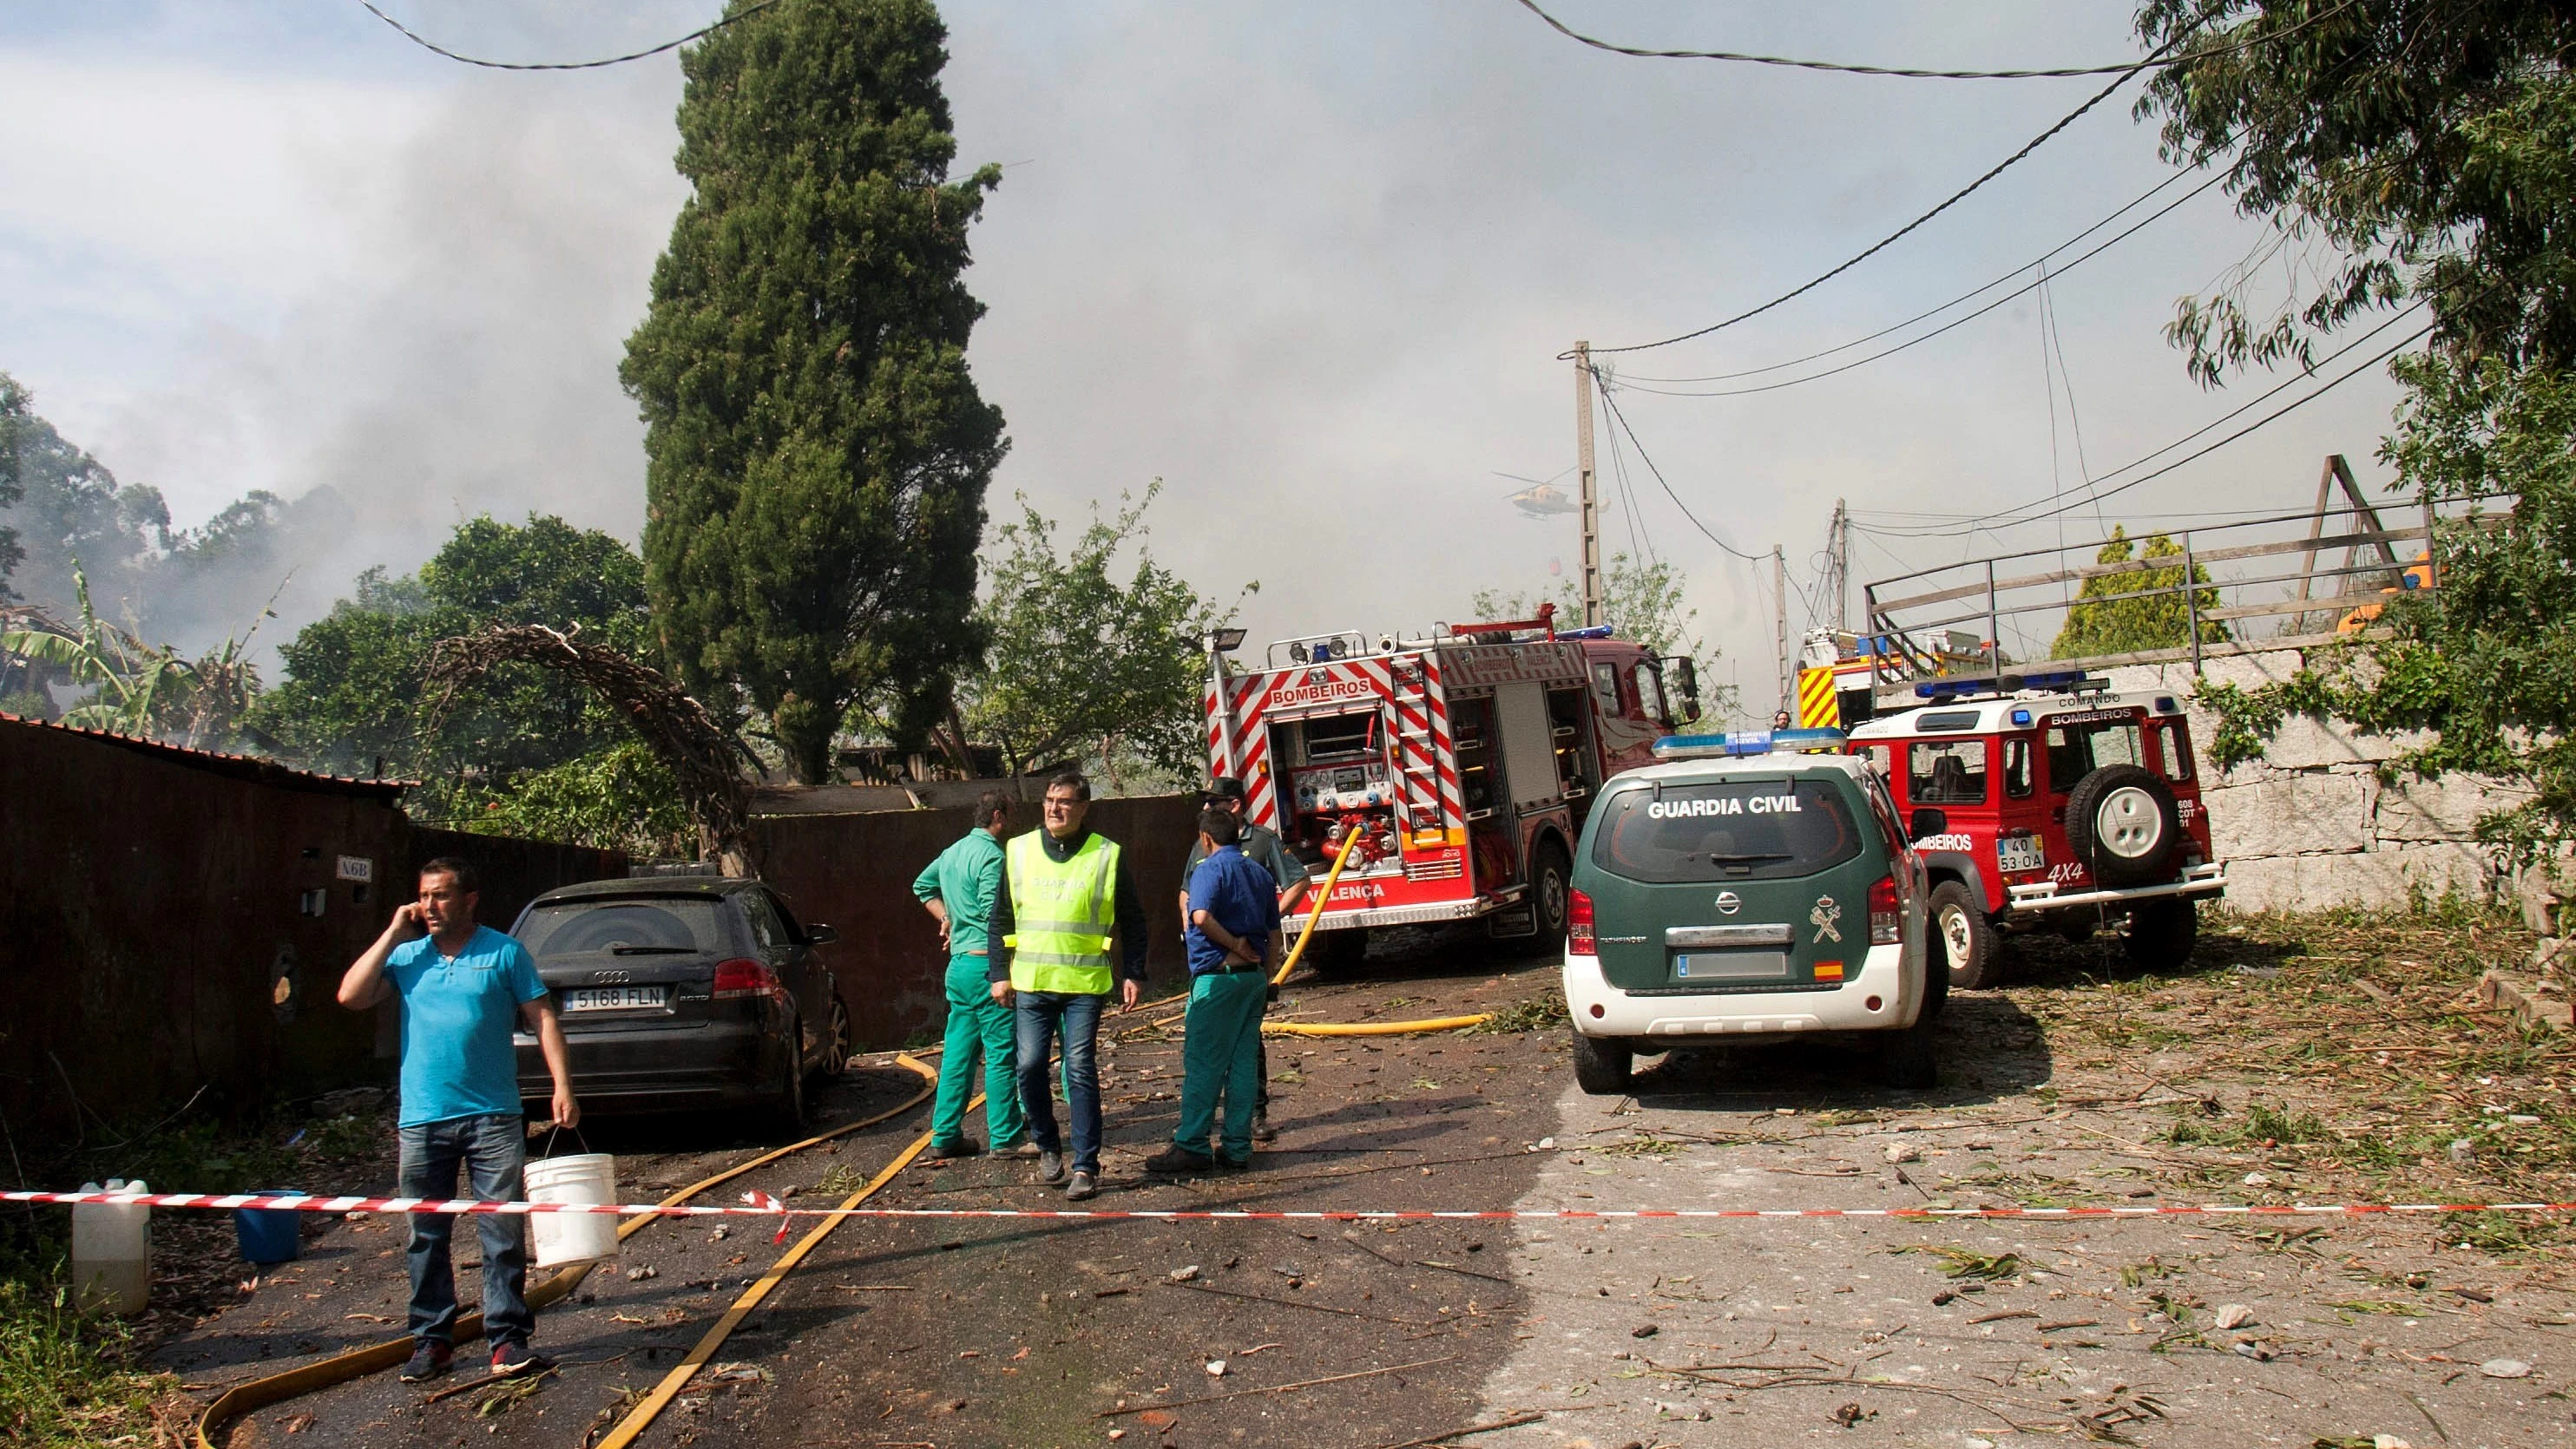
1728,903
619,978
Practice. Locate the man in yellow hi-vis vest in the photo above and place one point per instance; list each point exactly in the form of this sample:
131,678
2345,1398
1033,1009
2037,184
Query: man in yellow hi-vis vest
1065,892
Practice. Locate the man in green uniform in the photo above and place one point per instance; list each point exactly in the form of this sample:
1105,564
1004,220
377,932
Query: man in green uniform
1263,847
958,889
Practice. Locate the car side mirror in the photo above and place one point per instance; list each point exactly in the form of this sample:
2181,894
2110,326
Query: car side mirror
1927,821
818,934
1682,673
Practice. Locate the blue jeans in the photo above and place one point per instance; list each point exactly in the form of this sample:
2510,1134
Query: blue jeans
1042,1016
492,1150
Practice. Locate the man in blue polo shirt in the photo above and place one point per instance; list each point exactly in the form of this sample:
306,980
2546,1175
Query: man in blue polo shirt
463,988
1234,935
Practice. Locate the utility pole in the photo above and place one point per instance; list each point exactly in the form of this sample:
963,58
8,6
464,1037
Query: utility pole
1591,497
1838,549
1780,621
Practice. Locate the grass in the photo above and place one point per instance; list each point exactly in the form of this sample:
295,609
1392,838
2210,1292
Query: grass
1538,1013
65,1379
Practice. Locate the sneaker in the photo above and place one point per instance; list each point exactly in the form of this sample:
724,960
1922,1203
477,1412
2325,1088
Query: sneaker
1178,1161
1081,1187
511,1360
429,1359
1050,1167
962,1147
1262,1131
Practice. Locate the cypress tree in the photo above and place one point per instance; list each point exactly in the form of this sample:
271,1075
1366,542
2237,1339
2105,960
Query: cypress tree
817,452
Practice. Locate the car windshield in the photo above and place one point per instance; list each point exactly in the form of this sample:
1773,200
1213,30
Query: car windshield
1731,830
658,926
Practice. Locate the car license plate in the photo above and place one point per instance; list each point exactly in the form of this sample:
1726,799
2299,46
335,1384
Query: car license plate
2020,852
1732,966
617,998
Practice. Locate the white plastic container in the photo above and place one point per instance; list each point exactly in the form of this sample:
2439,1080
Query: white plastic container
562,1239
112,1252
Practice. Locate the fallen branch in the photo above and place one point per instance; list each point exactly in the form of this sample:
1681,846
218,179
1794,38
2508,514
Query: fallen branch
1447,1435
1274,1388
1309,1307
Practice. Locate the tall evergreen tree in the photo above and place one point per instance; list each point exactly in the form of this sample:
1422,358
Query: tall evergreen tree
817,451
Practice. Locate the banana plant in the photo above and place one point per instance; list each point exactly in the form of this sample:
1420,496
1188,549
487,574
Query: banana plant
144,690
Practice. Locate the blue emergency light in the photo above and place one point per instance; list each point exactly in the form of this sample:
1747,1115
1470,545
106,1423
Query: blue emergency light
1747,742
2054,679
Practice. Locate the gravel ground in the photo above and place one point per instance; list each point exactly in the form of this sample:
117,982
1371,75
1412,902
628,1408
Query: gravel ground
2340,1063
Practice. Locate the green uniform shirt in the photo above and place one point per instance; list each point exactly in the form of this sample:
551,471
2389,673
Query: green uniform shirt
964,878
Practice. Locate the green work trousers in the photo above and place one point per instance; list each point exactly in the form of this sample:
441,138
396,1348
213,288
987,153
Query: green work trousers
1221,1057
976,1020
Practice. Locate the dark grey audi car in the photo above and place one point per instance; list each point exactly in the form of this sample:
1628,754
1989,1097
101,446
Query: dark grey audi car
683,992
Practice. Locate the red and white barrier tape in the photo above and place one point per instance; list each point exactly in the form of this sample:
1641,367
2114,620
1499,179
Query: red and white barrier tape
763,1205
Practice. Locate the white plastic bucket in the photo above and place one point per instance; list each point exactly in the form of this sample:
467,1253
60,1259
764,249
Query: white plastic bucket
565,1238
112,1252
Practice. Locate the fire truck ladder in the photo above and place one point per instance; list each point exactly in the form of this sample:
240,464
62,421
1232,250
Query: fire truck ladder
1416,757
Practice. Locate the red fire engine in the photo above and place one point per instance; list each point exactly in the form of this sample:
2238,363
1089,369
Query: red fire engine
1465,762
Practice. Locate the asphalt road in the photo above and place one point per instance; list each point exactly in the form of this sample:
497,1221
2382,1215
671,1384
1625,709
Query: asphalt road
966,1332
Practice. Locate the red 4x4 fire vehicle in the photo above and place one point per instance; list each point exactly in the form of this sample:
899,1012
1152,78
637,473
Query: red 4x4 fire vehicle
2044,802
1464,761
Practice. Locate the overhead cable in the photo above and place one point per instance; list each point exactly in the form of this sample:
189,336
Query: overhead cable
435,48
1971,294
1961,320
1648,459
1892,238
2006,518
2122,69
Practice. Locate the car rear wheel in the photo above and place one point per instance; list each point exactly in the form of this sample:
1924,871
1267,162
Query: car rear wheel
1962,937
1602,1067
836,1043
2162,934
2122,823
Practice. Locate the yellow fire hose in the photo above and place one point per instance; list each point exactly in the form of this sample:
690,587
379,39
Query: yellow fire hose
1375,1028
1341,858
242,1399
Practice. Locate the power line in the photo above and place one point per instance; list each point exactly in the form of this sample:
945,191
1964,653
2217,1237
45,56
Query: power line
1971,294
2004,518
1648,459
2122,68
1883,243
1953,324
435,48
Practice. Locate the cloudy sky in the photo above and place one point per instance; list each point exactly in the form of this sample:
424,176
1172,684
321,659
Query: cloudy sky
1313,265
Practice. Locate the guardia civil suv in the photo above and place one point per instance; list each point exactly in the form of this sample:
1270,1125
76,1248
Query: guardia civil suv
1748,887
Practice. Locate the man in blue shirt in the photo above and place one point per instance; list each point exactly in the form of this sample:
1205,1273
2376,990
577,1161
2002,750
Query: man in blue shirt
1233,935
1262,846
958,890
463,988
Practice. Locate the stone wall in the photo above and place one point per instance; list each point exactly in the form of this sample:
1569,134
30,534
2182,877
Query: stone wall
2310,826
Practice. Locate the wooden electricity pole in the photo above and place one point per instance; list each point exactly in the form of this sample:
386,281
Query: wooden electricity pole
1780,624
1838,548
1590,495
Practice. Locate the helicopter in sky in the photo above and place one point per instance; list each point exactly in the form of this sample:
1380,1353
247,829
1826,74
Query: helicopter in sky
1542,499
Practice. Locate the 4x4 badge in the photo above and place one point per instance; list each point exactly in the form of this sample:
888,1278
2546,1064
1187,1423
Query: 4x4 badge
1728,902
1823,918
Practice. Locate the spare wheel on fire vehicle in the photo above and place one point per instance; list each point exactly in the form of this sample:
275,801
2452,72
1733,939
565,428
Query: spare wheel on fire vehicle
2121,822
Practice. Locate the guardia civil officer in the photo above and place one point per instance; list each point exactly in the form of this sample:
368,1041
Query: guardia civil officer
1065,892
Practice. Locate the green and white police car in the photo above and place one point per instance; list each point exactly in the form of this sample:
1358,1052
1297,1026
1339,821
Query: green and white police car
1746,888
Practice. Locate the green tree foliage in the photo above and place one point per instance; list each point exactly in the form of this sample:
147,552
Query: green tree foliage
13,423
817,451
617,798
1082,664
1642,602
2431,144
67,514
2099,622
353,682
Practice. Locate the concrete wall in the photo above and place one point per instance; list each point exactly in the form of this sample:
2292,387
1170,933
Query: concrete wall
2309,825
854,872
171,921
